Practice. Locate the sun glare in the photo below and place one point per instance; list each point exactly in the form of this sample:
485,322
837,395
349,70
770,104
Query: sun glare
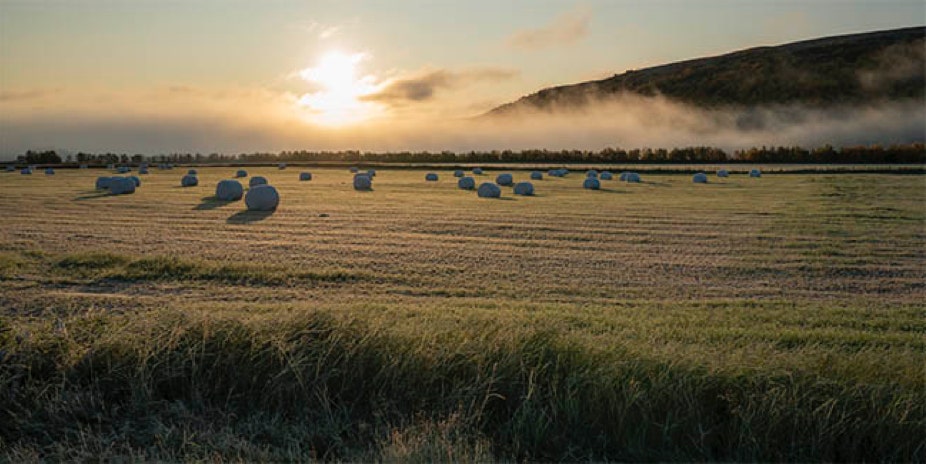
336,99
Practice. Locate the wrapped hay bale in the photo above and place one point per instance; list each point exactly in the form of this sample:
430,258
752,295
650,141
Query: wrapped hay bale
524,188
136,180
591,173
362,182
591,183
241,173
229,190
755,173
537,175
632,177
102,183
466,183
257,180
723,173
504,179
189,180
477,171
605,175
489,190
121,186
49,172
304,176
430,177
458,173
262,198
699,178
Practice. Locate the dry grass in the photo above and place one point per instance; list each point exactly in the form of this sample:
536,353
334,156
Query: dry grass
718,318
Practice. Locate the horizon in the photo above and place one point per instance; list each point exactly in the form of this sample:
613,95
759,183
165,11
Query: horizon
232,77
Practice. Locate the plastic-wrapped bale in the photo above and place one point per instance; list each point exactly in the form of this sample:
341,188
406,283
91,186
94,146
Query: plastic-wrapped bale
354,170
136,180
723,173
489,190
591,173
371,173
121,186
305,176
563,171
524,188
191,172
552,173
699,178
281,166
262,198
26,172
49,172
123,169
466,183
755,173
241,173
430,177
537,175
83,166
605,175
477,171
102,183
504,179
143,170
458,173
362,182
189,180
257,180
10,168
632,177
623,176
229,190
591,183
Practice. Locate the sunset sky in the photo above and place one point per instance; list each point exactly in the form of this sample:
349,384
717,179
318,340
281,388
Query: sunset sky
231,76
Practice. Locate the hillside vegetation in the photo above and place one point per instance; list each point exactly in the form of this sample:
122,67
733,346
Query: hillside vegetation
850,69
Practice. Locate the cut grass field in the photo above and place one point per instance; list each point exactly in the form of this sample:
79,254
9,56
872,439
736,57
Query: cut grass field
780,318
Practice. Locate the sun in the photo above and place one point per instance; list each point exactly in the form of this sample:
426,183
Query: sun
337,99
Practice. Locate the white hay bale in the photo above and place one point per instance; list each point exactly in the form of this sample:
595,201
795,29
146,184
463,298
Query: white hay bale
723,173
281,166
354,170
524,188
430,177
191,172
489,190
136,180
26,172
189,180
504,179
699,178
305,176
466,183
257,180
755,173
121,186
262,198
477,171
49,172
458,173
229,190
102,182
362,182
537,175
591,183
591,173
241,173
632,177
605,175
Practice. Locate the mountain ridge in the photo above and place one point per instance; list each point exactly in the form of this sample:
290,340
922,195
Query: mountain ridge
825,71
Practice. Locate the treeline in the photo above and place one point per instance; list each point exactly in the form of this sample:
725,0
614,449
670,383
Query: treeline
914,153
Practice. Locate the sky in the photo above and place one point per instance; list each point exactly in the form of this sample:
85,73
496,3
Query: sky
147,76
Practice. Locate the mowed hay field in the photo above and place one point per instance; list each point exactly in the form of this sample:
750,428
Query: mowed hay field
780,318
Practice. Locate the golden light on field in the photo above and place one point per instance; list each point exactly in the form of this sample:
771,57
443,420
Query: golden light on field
336,99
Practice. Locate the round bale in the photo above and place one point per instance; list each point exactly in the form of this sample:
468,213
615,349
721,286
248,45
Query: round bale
591,173
257,180
262,198
632,177
466,183
143,170
26,172
477,171
281,166
49,172
489,190
605,175
755,173
229,190
591,183
121,186
504,179
189,180
458,173
371,173
524,188
362,182
430,177
102,183
354,170
537,175
723,173
699,178
191,172
241,173
305,176
135,180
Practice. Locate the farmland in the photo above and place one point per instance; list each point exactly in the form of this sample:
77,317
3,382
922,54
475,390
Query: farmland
779,318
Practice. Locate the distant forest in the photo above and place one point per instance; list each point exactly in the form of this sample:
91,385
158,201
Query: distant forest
914,153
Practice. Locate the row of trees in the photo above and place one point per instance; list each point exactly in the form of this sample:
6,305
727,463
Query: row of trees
894,154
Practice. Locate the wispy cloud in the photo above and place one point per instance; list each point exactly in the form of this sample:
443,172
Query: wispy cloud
565,29
422,85
20,95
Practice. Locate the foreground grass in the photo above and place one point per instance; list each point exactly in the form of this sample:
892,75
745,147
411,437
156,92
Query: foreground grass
772,319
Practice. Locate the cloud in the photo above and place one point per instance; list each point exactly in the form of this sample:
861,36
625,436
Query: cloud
329,32
422,85
22,95
565,29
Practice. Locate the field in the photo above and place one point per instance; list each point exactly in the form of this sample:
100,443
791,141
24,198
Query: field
781,318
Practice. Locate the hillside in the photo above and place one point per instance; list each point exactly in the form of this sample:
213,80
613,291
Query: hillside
848,69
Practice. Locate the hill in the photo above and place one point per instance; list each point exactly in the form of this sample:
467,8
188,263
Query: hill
848,69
